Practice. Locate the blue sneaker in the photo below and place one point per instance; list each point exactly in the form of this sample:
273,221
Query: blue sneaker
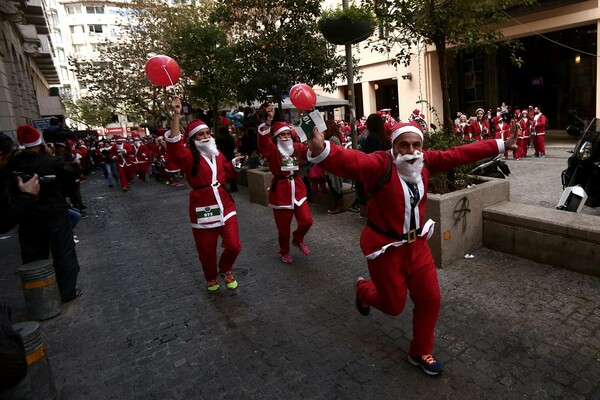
428,364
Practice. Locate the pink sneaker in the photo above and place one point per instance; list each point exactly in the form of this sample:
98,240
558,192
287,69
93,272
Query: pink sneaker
286,258
303,248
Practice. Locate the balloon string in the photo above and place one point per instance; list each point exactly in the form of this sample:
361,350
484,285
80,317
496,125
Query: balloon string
170,80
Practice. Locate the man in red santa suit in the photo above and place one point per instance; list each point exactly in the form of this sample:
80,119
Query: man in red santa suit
502,130
287,194
539,126
141,155
211,208
122,154
394,240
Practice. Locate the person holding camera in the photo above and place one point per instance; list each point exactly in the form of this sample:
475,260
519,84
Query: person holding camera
47,227
14,208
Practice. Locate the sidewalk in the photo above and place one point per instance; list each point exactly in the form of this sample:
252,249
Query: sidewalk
146,328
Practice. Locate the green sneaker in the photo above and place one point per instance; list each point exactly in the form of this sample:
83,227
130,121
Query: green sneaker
229,280
212,286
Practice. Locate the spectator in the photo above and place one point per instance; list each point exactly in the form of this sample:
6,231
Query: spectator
335,183
226,145
47,229
57,133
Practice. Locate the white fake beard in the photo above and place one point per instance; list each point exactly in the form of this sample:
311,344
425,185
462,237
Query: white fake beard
285,147
207,147
410,172
120,146
137,144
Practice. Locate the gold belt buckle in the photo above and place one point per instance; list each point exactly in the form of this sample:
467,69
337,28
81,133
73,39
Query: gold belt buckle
411,235
215,184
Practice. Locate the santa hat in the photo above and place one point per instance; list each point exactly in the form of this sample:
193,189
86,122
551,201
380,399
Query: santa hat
416,112
193,127
119,138
135,135
517,112
279,127
28,136
404,127
479,109
497,118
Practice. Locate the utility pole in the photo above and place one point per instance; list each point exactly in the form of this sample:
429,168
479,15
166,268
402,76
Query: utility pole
350,79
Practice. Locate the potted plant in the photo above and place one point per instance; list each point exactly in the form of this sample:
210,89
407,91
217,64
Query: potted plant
349,25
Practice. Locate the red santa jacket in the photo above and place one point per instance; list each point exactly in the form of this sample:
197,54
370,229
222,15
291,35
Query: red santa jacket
502,129
389,209
123,157
141,154
478,130
525,125
539,124
290,190
210,203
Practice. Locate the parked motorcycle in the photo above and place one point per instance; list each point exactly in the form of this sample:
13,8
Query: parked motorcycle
494,167
581,179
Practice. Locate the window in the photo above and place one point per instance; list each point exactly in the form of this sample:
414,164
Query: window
61,55
95,28
73,10
94,9
79,48
77,29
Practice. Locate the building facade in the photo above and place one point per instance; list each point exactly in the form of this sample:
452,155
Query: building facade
559,73
27,69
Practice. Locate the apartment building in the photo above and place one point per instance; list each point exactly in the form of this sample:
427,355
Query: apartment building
27,69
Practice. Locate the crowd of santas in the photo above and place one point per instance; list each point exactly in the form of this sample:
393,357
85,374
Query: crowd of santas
531,128
123,159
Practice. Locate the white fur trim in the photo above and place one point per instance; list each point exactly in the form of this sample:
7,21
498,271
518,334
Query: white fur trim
283,128
405,129
36,143
196,129
264,129
321,156
173,139
501,148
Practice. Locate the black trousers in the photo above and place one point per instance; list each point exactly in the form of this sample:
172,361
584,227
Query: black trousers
52,234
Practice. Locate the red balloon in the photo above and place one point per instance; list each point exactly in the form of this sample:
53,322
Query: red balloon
303,97
162,70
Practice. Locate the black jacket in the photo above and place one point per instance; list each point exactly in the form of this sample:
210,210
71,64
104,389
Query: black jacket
51,198
13,208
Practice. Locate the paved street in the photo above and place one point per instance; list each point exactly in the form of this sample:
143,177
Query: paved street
146,328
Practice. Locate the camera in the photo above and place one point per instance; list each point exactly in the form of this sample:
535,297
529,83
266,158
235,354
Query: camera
44,179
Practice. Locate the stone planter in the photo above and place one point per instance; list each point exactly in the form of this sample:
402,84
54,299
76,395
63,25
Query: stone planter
259,180
343,30
458,218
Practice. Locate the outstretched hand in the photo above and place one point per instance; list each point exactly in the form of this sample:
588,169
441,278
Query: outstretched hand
511,142
317,143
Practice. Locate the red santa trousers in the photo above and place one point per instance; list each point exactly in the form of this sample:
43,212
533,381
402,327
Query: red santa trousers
540,144
123,176
410,266
283,220
524,147
206,244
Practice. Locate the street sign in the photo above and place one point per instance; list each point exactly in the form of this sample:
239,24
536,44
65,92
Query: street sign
41,124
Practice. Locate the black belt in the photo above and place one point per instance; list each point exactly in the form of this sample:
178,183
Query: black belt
410,236
281,178
215,184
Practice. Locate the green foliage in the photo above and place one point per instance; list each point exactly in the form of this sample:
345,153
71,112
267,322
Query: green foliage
463,24
364,12
88,112
278,46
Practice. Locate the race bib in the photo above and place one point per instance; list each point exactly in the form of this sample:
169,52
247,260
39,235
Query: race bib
289,164
209,215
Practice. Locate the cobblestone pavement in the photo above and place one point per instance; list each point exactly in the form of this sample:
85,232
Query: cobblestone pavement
146,328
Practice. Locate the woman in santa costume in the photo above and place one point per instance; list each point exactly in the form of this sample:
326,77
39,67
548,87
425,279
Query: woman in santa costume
211,208
525,125
394,240
287,194
480,127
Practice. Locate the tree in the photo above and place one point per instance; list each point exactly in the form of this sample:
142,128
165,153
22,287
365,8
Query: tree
115,77
278,45
205,54
461,23
86,111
